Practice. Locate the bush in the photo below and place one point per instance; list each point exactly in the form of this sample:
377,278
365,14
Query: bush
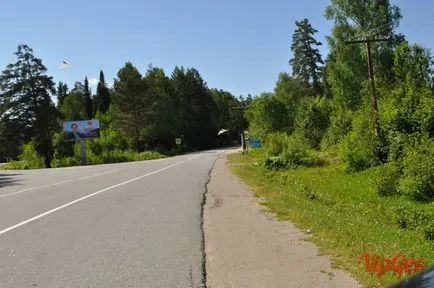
360,148
148,155
284,151
65,162
296,152
411,218
276,144
274,163
388,179
313,119
30,158
418,171
340,126
16,165
357,153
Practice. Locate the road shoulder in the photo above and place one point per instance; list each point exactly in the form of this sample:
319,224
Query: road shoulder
247,247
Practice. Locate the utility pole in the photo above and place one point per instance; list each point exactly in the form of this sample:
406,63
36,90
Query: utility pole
240,109
371,79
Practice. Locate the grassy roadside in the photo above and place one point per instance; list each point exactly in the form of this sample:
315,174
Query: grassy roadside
346,216
36,162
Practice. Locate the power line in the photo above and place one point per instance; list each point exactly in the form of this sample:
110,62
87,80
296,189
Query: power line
371,78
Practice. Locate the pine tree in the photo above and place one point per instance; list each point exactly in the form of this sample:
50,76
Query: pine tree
31,109
132,103
61,92
87,99
103,94
306,58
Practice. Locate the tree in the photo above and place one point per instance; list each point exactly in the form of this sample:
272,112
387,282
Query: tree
87,99
31,110
289,91
132,104
228,117
61,92
164,122
374,19
73,107
197,110
102,94
266,115
306,59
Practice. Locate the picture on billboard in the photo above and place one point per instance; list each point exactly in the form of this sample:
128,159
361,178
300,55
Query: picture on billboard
76,130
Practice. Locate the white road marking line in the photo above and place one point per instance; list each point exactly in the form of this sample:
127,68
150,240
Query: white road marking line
55,184
34,188
87,196
99,174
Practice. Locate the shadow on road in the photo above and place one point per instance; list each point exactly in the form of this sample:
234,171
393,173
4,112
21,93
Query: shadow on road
8,180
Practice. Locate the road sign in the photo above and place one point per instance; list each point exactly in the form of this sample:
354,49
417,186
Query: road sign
178,141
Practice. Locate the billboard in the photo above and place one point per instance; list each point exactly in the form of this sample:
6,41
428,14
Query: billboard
76,130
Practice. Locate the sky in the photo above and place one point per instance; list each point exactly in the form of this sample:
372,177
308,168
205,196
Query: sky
236,45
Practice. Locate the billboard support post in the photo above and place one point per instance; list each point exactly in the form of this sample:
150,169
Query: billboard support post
83,152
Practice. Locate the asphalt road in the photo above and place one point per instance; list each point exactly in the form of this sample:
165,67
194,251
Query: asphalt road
119,225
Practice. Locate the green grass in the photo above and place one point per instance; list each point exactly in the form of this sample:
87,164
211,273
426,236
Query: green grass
346,216
106,158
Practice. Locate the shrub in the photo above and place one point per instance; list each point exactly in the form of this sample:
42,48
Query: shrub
411,218
360,148
148,155
276,144
31,157
418,171
16,165
296,152
274,163
357,153
65,162
388,179
313,119
284,151
340,126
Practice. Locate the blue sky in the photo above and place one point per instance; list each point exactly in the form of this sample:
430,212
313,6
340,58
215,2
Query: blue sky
237,45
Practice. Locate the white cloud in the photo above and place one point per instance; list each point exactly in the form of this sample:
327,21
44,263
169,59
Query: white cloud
93,82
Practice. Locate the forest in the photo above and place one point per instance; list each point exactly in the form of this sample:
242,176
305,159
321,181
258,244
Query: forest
140,116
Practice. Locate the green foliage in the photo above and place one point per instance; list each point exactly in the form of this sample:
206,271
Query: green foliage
61,92
266,115
87,99
306,60
148,155
132,104
73,107
283,151
313,119
410,218
388,179
27,90
344,213
102,98
340,125
360,148
65,162
276,143
418,171
29,158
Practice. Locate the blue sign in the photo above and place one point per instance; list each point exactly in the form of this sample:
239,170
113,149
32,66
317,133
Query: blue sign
254,143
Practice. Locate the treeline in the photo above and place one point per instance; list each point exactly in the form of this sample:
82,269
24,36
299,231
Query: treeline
327,106
139,113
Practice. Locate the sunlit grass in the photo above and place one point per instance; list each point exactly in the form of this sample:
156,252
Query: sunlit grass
346,216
